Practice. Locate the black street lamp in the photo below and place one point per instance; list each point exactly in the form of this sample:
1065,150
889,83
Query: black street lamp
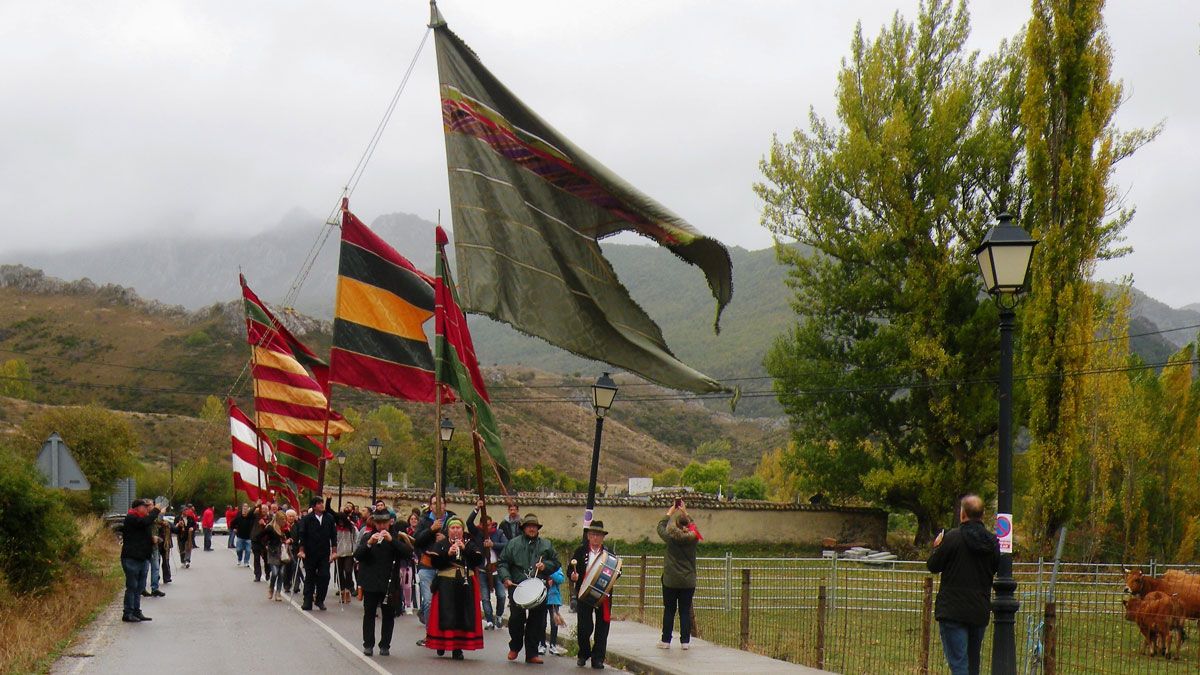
341,460
445,432
603,393
1004,258
374,447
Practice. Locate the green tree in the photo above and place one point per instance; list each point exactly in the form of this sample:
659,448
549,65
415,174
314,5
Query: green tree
782,485
1074,209
102,441
668,477
750,487
16,380
711,476
714,449
214,411
881,376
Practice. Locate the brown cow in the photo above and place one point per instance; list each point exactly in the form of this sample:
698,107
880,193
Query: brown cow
1186,586
1157,616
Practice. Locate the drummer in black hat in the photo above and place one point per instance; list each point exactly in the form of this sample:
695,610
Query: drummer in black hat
527,557
593,616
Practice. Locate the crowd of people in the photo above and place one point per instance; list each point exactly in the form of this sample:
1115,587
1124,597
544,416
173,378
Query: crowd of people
455,575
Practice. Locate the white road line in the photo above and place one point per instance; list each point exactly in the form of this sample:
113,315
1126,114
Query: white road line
343,641
101,627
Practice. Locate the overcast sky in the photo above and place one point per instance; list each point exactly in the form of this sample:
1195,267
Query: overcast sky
125,117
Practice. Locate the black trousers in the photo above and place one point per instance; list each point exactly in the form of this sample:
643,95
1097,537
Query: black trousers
260,562
316,578
526,628
371,602
591,617
164,555
683,598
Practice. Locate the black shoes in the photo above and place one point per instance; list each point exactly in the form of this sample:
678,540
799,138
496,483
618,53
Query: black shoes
597,666
129,618
321,606
306,607
368,651
581,662
158,594
141,617
457,655
384,651
145,594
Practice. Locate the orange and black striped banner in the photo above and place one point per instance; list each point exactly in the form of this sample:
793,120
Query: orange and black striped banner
383,301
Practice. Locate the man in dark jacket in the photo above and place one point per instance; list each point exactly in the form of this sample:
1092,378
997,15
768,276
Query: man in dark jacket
377,553
242,526
967,558
527,557
318,541
595,617
136,543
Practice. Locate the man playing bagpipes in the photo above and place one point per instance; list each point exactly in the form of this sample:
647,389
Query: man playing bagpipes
595,616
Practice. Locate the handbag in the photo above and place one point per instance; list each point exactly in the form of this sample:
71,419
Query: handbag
285,553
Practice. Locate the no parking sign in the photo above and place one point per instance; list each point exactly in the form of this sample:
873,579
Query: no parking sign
1004,530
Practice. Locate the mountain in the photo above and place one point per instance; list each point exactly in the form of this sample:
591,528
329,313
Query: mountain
104,344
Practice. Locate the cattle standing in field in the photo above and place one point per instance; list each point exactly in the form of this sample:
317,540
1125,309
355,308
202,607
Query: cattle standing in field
1186,586
1158,616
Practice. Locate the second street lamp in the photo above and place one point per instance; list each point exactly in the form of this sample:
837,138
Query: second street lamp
603,393
1004,258
341,460
375,448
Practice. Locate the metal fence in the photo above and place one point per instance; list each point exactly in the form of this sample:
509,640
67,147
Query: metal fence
850,616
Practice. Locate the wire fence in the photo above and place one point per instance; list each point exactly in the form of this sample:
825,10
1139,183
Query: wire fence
852,616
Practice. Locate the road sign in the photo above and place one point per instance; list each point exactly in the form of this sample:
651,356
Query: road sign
1004,530
58,466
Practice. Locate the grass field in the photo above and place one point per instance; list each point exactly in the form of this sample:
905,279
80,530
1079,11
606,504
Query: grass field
879,620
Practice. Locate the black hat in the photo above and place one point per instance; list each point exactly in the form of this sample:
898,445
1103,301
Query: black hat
596,526
313,503
381,515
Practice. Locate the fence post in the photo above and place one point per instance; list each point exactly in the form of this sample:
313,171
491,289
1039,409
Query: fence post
728,580
821,627
744,645
1153,567
926,620
834,582
642,593
1049,638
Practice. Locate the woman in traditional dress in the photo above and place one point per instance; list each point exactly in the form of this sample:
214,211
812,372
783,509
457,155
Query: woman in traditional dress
455,618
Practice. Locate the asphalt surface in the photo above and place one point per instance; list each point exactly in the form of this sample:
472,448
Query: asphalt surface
216,619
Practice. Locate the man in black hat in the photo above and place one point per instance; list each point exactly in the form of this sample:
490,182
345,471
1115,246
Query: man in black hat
377,553
593,616
136,542
318,542
527,557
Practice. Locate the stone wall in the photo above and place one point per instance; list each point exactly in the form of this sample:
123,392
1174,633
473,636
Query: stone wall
633,519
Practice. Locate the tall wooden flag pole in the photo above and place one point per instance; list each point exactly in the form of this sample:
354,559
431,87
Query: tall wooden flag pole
477,441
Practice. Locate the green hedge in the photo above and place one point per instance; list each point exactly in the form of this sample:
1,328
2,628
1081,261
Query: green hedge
38,536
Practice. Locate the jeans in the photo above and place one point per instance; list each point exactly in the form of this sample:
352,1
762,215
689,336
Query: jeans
208,539
371,602
488,584
155,569
243,551
425,576
682,597
135,581
527,628
231,538
961,644
276,578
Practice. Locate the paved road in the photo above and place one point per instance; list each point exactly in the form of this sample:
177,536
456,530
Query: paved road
215,620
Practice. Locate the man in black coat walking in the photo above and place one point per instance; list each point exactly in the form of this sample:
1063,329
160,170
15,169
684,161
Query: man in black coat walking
967,558
378,553
318,541
136,543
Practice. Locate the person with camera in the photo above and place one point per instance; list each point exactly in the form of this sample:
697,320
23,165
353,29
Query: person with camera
378,554
679,573
136,543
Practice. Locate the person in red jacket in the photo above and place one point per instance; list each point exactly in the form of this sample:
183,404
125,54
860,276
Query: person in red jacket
206,523
230,514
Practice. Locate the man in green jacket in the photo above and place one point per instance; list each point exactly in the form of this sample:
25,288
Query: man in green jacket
679,573
527,557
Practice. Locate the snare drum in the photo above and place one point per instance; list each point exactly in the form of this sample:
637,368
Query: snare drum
529,593
601,574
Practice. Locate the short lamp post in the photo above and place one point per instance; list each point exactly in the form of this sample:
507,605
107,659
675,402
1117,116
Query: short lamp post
603,393
445,432
341,461
375,448
1004,260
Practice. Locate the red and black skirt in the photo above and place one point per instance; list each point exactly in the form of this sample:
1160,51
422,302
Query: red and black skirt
455,615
